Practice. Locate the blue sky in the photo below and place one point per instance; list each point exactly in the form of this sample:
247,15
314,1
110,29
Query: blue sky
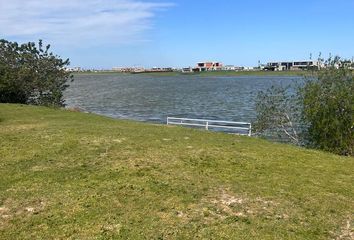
107,33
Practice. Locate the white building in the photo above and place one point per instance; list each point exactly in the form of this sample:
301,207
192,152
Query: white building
293,65
208,66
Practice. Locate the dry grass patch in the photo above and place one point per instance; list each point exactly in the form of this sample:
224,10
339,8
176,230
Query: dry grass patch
21,127
346,231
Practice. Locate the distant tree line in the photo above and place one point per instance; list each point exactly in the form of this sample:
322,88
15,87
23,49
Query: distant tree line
31,74
317,113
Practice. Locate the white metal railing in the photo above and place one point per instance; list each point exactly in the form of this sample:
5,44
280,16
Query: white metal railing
242,128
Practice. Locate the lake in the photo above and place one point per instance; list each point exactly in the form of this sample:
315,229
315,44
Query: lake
153,98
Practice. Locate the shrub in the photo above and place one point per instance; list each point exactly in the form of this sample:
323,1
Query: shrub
328,108
31,74
318,113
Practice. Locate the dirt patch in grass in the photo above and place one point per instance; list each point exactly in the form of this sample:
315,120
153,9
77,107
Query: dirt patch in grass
346,231
227,204
223,205
4,211
12,208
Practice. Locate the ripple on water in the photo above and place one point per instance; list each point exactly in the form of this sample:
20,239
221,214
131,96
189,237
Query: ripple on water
146,98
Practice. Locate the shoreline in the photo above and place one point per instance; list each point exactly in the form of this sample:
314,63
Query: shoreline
203,74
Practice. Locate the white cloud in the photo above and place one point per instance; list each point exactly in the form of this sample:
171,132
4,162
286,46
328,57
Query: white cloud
76,22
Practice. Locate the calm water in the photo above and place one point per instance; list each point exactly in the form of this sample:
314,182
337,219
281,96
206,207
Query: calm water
148,98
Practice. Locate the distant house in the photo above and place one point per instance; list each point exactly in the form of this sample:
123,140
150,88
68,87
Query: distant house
161,69
73,69
232,68
250,68
208,66
293,65
128,69
120,69
347,64
229,68
187,69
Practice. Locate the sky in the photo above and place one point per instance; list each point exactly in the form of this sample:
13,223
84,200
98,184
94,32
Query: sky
102,34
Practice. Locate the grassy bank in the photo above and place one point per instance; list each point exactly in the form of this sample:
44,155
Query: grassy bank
81,176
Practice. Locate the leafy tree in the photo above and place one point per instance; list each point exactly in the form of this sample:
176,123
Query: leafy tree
328,109
31,74
318,113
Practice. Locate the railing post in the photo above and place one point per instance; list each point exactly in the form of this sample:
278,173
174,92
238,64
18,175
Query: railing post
207,125
250,130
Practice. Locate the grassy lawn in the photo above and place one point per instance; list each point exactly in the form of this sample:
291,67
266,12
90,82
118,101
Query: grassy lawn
81,176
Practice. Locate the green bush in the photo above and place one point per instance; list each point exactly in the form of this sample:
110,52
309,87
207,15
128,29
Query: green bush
31,74
318,113
328,106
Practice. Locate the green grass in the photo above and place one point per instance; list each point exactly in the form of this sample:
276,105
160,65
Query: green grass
70,175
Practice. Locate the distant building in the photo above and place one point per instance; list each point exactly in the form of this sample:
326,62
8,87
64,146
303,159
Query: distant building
229,68
208,66
249,68
261,66
73,69
120,69
128,69
187,69
161,69
232,68
290,66
347,64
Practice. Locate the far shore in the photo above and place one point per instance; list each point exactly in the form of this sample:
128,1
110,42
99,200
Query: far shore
207,74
